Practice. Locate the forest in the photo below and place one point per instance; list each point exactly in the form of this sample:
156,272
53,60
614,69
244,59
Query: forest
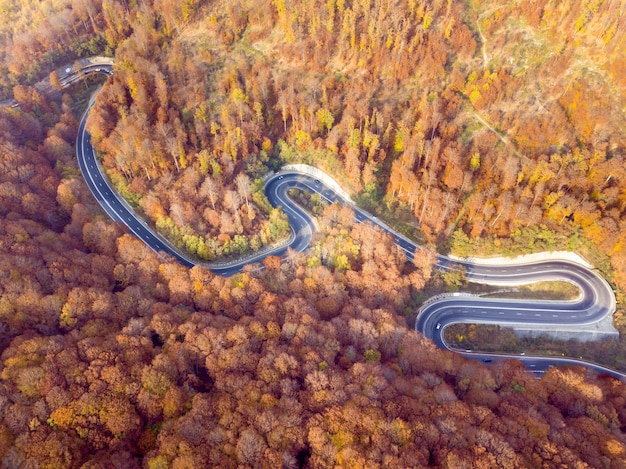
472,120
485,125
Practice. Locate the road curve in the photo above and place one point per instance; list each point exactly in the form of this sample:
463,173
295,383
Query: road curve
595,302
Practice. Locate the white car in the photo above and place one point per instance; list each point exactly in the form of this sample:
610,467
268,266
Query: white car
438,325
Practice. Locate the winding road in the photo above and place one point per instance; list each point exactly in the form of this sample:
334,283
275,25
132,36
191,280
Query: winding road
596,301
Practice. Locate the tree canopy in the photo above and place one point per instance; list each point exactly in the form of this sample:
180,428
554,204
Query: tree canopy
486,125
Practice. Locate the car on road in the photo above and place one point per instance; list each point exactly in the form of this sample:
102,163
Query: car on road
487,360
438,325
280,177
317,182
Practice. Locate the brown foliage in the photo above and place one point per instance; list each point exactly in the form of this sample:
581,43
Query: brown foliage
113,357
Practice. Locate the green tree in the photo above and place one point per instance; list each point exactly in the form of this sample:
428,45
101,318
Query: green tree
325,119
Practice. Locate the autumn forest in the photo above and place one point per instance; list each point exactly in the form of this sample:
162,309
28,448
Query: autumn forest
473,126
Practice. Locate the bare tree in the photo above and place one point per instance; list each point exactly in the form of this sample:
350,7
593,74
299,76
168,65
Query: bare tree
233,202
243,186
211,189
174,150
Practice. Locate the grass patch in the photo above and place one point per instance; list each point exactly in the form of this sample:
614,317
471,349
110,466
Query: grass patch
395,214
562,291
609,352
82,90
310,201
529,240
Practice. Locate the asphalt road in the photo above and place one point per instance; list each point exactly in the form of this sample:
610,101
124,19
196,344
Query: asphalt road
595,302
